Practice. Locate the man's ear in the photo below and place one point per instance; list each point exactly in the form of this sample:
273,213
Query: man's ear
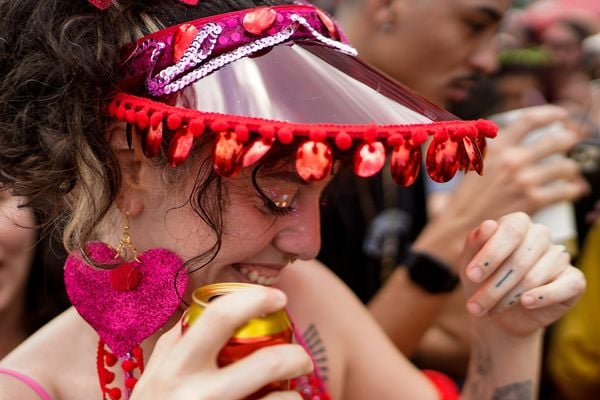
130,158
381,12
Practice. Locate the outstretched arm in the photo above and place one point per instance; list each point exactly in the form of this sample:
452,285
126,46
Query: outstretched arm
516,283
514,180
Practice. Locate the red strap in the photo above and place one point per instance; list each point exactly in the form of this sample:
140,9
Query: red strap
446,387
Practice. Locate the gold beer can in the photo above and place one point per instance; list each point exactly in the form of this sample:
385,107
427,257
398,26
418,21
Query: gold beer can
269,330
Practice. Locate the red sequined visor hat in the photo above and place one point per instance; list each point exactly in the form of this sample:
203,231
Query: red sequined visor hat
284,76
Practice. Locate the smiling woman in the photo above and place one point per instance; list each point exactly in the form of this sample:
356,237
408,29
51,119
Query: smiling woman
189,145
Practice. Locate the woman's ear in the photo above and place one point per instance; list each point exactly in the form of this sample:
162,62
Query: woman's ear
130,158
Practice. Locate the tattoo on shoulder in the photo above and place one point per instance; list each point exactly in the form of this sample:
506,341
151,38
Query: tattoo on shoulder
317,349
514,391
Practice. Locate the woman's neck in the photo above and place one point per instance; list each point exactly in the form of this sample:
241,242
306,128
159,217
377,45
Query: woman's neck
150,342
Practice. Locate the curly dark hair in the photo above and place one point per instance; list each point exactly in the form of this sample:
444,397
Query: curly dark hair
58,69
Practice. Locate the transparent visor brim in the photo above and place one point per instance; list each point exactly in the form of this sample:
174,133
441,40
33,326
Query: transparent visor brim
308,83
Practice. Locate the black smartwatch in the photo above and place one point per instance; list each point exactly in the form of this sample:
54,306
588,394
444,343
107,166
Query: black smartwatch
429,273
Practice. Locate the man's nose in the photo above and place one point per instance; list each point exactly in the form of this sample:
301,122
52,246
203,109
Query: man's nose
485,59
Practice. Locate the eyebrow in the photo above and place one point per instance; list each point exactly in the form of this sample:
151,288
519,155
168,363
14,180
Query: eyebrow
490,12
287,175
292,176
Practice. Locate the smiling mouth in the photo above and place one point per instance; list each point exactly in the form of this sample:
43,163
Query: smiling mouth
260,275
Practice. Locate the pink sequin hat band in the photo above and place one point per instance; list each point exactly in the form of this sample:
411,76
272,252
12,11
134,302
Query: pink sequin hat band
284,75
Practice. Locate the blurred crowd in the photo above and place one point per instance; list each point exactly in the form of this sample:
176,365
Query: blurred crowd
504,60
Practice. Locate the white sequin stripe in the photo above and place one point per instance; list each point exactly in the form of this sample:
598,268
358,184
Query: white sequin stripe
194,55
226,58
330,42
249,49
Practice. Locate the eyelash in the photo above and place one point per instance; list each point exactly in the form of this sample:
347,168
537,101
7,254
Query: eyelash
275,209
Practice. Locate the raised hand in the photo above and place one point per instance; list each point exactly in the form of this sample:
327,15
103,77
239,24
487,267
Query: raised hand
515,176
185,367
516,277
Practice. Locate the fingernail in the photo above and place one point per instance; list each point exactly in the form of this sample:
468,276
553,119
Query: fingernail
528,300
280,296
475,274
474,308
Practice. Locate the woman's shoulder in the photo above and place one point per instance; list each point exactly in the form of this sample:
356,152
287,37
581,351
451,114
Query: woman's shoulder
312,283
60,352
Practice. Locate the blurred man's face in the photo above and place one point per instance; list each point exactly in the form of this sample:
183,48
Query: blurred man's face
440,47
563,45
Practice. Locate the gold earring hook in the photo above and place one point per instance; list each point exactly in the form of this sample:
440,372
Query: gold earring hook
126,243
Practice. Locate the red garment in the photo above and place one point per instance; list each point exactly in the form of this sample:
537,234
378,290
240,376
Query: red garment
446,387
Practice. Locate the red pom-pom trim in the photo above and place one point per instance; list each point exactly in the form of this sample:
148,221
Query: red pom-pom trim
219,125
285,135
370,134
192,123
110,359
395,139
130,383
141,119
318,135
114,393
242,133
419,137
112,109
196,127
441,135
130,116
128,366
120,113
343,141
156,119
487,128
267,131
174,122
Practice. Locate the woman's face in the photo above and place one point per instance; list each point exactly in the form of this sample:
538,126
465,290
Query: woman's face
17,241
261,233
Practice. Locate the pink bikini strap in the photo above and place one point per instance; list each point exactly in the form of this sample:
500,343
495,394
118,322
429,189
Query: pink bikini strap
36,387
316,372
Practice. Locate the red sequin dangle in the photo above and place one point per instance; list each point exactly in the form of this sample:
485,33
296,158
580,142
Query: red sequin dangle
471,157
314,161
106,359
369,159
152,137
442,158
406,162
227,153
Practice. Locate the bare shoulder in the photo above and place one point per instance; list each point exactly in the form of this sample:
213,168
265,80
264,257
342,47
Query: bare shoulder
310,284
56,356
359,358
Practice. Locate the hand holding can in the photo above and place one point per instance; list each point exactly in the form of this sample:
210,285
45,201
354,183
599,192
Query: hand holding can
271,329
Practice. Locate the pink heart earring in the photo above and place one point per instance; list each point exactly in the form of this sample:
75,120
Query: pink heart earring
125,304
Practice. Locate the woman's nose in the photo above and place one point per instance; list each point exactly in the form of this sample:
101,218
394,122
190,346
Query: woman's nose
300,232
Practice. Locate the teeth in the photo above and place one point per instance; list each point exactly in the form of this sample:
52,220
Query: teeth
256,278
253,276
